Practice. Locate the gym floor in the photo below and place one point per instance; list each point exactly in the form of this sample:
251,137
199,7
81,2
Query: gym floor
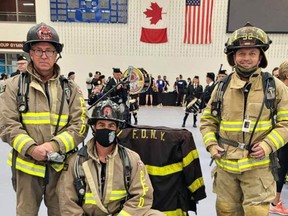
154,116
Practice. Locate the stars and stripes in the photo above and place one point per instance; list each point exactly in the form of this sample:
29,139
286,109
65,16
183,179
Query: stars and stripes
198,21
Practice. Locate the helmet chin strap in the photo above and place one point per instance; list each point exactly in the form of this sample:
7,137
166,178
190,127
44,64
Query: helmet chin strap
245,73
59,57
93,131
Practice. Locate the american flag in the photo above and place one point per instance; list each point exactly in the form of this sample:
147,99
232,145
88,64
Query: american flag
198,20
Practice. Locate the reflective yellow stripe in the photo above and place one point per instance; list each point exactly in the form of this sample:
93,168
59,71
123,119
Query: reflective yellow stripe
207,115
27,167
123,213
239,166
198,183
20,141
209,137
282,115
89,199
43,118
165,170
190,157
177,212
36,118
236,126
67,140
57,167
63,120
276,138
231,126
118,194
83,116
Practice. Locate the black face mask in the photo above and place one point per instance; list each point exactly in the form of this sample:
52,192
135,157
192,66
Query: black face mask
105,137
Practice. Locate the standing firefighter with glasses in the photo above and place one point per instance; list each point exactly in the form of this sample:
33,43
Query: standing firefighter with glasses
239,129
104,178
43,118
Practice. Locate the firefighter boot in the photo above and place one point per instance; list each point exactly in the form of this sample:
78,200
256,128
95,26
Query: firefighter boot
185,118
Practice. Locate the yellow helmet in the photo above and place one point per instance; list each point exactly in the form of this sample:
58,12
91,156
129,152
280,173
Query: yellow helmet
247,37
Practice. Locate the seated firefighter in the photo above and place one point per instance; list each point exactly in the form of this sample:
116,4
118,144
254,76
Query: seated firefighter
104,178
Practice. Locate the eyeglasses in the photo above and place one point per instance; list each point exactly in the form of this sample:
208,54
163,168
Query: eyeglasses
48,53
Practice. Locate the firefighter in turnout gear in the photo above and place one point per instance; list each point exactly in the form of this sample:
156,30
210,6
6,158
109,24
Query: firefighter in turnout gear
43,118
104,178
238,127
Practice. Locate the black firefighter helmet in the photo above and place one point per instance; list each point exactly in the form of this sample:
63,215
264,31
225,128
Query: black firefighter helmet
247,37
42,33
106,110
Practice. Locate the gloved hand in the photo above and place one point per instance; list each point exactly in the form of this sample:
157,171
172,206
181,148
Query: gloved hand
55,157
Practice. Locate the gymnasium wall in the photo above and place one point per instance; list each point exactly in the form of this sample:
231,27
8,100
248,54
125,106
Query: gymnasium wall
96,46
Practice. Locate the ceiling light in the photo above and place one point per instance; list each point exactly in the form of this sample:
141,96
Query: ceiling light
28,4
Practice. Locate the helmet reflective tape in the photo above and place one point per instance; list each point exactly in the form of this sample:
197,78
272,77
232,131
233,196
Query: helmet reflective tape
247,43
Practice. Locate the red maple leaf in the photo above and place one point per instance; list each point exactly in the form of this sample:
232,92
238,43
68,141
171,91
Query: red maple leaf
155,13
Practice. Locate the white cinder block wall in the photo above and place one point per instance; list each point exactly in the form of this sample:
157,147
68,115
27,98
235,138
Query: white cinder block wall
94,46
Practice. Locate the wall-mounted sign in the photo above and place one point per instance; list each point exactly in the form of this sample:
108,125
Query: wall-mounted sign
103,11
11,45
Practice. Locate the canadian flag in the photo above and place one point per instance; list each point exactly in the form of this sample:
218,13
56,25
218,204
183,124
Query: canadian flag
154,21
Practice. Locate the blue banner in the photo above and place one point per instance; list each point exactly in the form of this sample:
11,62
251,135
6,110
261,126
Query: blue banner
101,11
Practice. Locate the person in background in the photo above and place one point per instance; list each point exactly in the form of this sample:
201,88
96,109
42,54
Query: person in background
189,82
97,77
210,78
3,77
96,92
221,75
119,94
239,131
175,84
22,64
71,76
181,86
160,88
194,90
89,83
166,84
275,72
134,107
277,206
149,92
41,122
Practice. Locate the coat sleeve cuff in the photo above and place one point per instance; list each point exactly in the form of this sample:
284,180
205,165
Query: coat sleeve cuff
55,146
267,149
